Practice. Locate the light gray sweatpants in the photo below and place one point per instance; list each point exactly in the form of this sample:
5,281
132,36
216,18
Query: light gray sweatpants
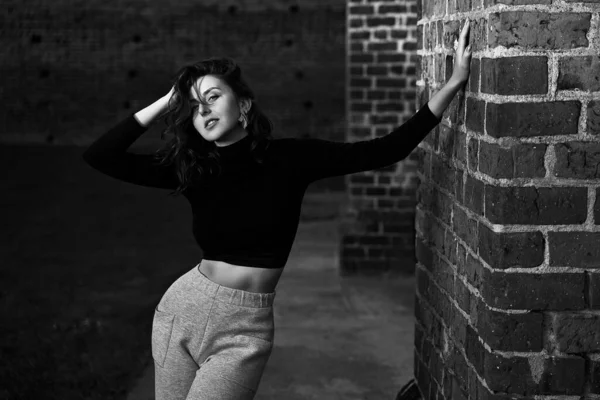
210,342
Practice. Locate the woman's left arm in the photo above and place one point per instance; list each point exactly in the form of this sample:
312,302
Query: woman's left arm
315,158
440,101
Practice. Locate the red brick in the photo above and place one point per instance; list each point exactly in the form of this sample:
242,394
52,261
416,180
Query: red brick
383,119
474,75
594,290
357,70
438,73
534,291
357,47
437,368
403,34
375,94
361,10
462,295
429,29
465,228
376,191
509,332
446,141
377,70
424,254
444,277
476,114
356,23
576,332
362,58
522,28
447,383
386,107
579,73
386,58
490,3
593,118
439,37
515,75
536,205
533,119
515,375
396,8
443,174
460,369
473,159
506,250
450,247
516,161
474,195
577,160
577,249
382,46
381,33
419,9
595,374
357,95
391,83
380,21
359,35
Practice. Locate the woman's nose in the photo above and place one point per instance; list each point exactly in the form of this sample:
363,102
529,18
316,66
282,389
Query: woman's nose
204,110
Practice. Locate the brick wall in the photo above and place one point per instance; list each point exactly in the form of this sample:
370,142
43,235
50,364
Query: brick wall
379,234
72,69
508,214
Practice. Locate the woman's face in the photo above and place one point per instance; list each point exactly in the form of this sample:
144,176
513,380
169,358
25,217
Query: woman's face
221,106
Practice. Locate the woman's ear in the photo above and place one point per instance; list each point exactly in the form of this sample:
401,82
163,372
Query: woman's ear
246,105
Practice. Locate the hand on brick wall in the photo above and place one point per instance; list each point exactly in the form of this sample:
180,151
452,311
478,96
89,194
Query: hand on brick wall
462,62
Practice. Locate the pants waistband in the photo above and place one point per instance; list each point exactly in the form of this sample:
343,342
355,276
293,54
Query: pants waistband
233,296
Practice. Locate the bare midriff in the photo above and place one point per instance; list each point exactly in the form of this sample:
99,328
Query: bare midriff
250,279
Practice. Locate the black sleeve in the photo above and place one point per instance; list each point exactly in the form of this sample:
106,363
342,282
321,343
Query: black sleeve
109,155
316,159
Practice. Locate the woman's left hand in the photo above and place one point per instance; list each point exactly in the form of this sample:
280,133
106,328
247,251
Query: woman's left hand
462,62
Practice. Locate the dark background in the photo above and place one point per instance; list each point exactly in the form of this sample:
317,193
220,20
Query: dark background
72,69
84,257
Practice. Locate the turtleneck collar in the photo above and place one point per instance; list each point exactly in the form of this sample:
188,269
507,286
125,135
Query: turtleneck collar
236,150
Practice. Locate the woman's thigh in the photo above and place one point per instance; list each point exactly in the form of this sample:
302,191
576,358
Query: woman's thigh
234,373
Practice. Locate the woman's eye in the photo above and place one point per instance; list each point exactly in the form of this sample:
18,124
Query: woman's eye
212,97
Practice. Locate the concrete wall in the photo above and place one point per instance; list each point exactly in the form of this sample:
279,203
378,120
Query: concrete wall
508,215
71,69
379,236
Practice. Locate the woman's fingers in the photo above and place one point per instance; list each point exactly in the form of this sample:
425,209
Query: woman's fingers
463,36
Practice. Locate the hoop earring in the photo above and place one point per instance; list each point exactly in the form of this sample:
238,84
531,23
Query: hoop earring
243,119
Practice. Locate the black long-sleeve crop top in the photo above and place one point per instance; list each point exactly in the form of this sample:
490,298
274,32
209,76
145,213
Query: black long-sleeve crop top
250,215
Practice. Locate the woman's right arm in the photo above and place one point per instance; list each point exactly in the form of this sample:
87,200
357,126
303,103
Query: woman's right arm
147,115
109,155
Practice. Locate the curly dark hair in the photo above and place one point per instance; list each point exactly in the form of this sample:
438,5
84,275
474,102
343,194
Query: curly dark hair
196,158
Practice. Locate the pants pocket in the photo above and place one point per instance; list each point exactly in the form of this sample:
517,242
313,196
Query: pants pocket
162,328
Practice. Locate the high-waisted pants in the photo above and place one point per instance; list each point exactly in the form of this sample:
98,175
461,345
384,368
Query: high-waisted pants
210,341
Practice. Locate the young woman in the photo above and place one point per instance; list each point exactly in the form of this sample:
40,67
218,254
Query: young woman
213,328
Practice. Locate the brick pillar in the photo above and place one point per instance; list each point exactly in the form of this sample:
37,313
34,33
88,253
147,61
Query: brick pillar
381,80
508,220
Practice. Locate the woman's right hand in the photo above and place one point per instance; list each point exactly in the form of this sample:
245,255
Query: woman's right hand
170,94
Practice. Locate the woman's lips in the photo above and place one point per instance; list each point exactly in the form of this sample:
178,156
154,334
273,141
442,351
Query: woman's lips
211,124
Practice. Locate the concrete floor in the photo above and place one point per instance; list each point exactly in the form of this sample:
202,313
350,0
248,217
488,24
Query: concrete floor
336,337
